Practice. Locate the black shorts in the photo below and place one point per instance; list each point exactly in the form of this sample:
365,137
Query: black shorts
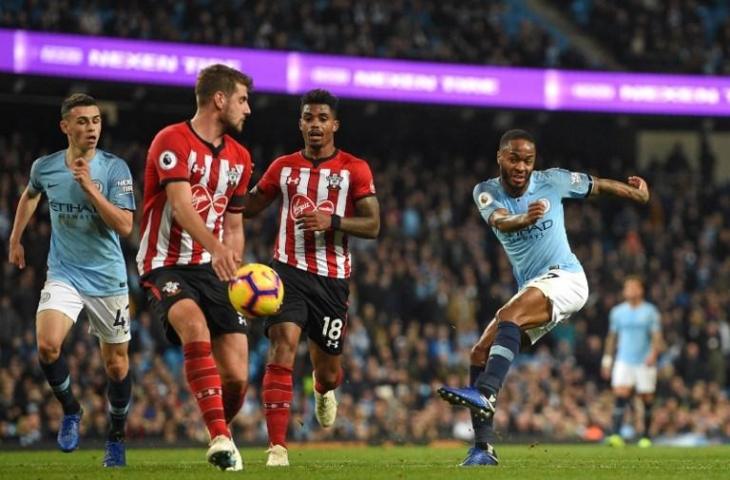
167,285
316,303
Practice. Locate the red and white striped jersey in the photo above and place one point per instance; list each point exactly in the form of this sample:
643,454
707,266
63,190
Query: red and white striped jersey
332,185
218,179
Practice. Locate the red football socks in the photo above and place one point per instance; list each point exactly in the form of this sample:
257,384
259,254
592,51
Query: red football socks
277,397
205,383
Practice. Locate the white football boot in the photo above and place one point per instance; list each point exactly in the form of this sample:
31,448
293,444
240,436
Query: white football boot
325,406
278,456
221,452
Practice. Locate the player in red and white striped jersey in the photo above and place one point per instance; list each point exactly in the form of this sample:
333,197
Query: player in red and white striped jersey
326,194
192,241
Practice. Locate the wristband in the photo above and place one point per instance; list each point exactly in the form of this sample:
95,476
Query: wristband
606,361
335,222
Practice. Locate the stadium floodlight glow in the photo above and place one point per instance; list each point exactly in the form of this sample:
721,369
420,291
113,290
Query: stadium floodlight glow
138,61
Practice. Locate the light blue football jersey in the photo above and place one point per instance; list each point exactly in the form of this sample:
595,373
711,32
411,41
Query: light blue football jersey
85,252
538,248
634,327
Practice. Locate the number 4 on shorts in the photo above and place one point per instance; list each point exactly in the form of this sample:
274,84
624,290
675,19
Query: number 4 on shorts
119,320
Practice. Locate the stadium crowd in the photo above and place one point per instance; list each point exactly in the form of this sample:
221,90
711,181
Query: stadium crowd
421,294
473,31
649,35
642,35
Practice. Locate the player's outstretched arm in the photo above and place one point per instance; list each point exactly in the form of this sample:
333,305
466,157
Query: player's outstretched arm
635,189
118,219
225,259
26,208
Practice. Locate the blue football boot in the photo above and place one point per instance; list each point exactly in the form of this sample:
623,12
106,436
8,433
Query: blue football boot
115,454
68,434
477,457
469,397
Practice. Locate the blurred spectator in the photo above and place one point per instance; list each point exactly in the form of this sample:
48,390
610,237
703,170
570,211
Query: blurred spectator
662,36
466,31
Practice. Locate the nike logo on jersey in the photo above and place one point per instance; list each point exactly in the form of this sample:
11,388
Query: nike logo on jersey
51,185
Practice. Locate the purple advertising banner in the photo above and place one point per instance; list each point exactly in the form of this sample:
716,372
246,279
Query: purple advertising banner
637,93
102,58
418,82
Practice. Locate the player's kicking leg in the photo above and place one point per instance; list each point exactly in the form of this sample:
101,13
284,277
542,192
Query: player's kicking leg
528,309
482,453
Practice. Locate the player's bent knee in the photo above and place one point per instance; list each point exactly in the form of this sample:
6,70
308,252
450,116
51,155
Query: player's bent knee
117,371
48,352
116,365
189,322
518,318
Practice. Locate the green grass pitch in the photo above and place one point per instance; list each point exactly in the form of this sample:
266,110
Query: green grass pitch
539,462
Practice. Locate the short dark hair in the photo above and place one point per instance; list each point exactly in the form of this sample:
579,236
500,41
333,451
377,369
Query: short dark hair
76,100
219,78
320,96
515,134
635,278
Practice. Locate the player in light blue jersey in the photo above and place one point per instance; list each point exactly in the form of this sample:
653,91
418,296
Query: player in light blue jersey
635,323
525,211
91,200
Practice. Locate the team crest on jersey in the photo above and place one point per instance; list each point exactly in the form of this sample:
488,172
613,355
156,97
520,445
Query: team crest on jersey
171,288
334,181
485,199
234,175
167,160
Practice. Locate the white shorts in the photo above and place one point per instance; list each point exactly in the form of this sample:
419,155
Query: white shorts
108,316
642,377
567,292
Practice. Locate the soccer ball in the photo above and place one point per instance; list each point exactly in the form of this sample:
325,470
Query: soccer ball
256,291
